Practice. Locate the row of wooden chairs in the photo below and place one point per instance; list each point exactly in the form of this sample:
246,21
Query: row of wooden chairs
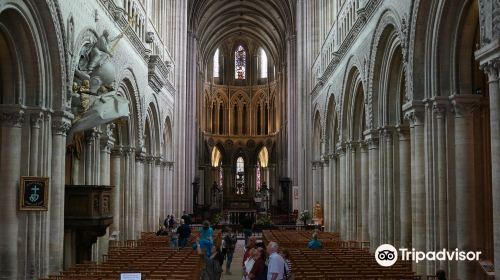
151,256
344,263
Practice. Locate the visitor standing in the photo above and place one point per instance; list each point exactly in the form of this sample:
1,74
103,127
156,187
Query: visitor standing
276,265
184,231
247,225
186,217
213,267
229,244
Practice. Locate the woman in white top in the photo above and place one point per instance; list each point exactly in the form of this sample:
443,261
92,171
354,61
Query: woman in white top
248,265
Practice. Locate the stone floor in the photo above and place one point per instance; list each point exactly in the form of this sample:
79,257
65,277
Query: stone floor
236,270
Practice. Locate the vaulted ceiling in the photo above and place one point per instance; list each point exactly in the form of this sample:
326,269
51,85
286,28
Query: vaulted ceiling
268,22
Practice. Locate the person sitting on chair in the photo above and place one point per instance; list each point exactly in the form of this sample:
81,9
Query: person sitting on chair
314,243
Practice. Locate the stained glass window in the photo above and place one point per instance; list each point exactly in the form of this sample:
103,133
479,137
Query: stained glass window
240,176
216,64
240,61
263,63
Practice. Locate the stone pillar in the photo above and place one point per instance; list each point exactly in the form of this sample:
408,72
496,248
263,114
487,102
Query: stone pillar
365,202
374,207
334,193
127,223
343,199
316,181
107,143
157,212
415,115
463,107
326,203
389,187
148,192
140,158
489,59
404,186
115,181
439,108
60,125
494,89
34,161
350,189
11,119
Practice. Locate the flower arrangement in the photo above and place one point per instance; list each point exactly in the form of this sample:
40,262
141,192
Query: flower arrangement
304,216
264,220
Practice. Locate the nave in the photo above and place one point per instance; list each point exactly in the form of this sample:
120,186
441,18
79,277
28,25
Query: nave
152,257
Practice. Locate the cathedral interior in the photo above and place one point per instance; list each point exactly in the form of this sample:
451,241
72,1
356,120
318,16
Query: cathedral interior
379,117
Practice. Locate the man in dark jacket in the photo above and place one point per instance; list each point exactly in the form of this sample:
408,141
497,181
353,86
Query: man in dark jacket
186,217
184,232
229,244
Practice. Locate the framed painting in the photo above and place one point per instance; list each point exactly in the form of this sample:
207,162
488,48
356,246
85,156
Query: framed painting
33,193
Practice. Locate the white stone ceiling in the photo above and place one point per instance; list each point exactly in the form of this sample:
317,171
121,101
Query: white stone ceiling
269,22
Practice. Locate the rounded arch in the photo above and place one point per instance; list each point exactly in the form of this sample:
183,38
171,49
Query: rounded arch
467,78
152,119
386,65
351,84
29,54
317,137
331,126
167,152
133,127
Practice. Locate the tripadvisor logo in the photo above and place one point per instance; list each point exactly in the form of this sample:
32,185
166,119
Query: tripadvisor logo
386,255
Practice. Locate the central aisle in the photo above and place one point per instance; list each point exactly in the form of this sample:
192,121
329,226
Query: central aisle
236,269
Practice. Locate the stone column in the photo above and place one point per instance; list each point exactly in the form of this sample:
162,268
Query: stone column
334,207
11,119
127,222
463,107
489,59
60,125
326,203
316,181
140,158
404,186
343,199
148,192
374,207
365,202
34,161
158,213
415,114
107,142
439,108
350,189
389,174
115,181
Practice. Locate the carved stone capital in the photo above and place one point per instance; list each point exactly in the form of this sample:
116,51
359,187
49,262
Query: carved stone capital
117,151
372,143
61,122
12,116
403,132
341,148
36,118
415,117
128,150
107,143
464,105
439,106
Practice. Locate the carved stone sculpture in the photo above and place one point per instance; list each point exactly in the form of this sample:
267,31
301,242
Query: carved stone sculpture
94,101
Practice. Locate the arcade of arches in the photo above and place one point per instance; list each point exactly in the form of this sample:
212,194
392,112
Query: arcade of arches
115,113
